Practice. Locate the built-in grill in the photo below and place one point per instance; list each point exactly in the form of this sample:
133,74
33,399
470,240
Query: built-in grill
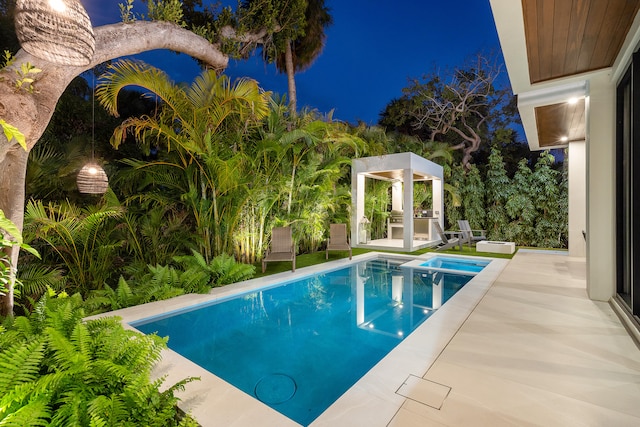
395,217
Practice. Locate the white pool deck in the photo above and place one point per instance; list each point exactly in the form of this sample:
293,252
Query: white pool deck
520,345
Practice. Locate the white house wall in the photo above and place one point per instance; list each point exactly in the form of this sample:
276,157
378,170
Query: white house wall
577,198
601,137
599,155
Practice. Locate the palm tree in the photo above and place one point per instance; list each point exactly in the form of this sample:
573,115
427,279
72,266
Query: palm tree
202,127
301,52
83,240
299,39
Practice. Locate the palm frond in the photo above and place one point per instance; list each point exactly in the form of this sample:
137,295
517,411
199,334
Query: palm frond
36,279
135,73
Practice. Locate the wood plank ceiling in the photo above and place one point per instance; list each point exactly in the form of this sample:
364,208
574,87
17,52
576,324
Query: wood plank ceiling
569,37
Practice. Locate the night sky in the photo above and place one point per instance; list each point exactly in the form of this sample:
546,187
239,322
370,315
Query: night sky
372,49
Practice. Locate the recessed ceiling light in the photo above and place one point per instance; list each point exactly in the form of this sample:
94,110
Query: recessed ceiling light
573,100
564,138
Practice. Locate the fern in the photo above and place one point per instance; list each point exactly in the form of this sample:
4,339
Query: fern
110,299
35,413
62,371
20,363
223,269
227,270
111,410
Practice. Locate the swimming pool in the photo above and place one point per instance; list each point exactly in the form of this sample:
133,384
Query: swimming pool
462,265
299,346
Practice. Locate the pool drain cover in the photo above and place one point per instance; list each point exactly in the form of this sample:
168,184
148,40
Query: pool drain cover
275,388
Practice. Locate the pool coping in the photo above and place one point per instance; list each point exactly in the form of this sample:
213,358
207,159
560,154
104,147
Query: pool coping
373,400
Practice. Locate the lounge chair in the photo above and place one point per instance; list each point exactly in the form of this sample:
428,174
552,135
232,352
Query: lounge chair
468,235
446,241
281,248
338,239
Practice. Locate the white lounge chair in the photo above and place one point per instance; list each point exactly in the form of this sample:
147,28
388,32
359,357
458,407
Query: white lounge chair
447,242
468,235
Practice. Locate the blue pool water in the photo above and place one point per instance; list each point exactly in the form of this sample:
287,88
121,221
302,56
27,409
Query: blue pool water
459,264
299,346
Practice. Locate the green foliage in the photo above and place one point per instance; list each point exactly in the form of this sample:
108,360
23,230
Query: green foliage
422,195
159,283
498,192
126,12
377,202
12,132
201,127
283,19
57,370
473,199
521,207
7,59
549,228
83,240
222,270
35,279
109,299
166,10
26,77
453,197
150,223
10,236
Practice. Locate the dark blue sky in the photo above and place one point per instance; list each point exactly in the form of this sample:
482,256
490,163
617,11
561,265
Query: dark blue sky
372,49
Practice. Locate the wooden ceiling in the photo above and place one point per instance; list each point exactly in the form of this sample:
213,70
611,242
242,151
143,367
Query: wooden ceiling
560,120
397,175
568,37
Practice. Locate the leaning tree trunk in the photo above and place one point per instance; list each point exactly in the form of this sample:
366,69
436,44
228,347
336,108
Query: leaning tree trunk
30,112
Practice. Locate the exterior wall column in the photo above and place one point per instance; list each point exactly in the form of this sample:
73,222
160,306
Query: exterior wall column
577,198
601,220
396,196
407,214
357,201
437,189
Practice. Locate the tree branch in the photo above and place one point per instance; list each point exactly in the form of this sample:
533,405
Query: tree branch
118,40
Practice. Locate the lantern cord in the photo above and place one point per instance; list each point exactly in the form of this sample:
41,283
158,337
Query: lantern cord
93,116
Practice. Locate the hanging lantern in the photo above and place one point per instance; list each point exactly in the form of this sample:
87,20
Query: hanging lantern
59,31
92,179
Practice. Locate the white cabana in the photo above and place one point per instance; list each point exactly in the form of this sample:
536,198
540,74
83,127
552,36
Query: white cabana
414,230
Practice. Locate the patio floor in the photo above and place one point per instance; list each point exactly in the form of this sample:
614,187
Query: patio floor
535,352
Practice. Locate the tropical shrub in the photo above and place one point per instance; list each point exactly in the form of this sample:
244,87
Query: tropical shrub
10,236
84,241
473,199
200,276
377,202
550,226
521,208
497,192
57,370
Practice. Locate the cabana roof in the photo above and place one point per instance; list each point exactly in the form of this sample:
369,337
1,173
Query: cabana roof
390,167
